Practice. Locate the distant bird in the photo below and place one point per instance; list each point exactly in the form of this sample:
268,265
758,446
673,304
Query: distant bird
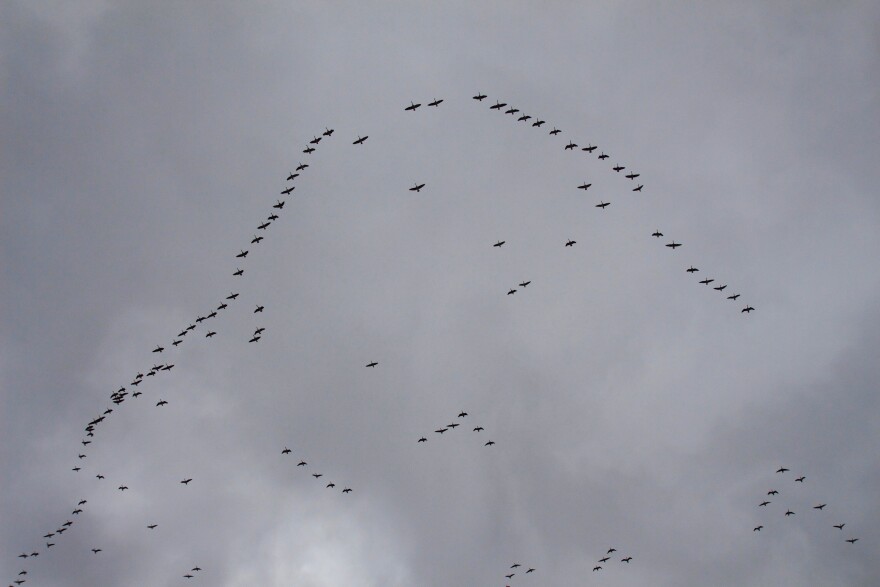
328,131
317,475
259,330
99,476
331,484
757,528
158,349
692,269
626,560
435,102
417,187
821,506
453,425
412,107
764,504
278,204
346,490
285,192
255,339
603,156
264,226
584,186
673,245
524,283
597,568
707,281
733,297
772,492
176,342
259,309
77,511
604,559
479,97
196,569
162,403
301,464
523,118
440,431
188,576
657,233
82,456
530,571
464,414
242,254
490,443
372,364
286,451
292,176
423,439
602,204
498,105
789,513
632,175
76,469
781,470
122,487
360,140
512,291
309,150
618,168
610,550
478,429
538,123
301,166
315,140
222,306
515,565
152,526
499,243
510,575
96,550
570,146
747,309
555,131
840,526
589,148
512,111
232,296
638,188
570,243
186,481
210,334
853,540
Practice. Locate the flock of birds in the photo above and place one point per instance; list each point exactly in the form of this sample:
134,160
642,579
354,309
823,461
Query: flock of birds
788,512
207,319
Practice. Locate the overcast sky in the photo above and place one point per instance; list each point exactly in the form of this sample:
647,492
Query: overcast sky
141,144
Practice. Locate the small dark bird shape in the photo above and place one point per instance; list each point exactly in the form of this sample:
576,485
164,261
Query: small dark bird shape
626,560
610,550
317,475
158,349
618,168
255,339
222,306
781,470
232,296
538,123
604,559
462,414
331,484
657,233
122,487
707,281
512,111
301,166
555,131
152,526
733,297
417,187
238,272
372,364
632,175
673,245
499,243
584,186
435,102
789,513
264,226
412,107
603,156
440,431
820,506
638,188
301,464
99,476
764,504
186,481
530,571
757,528
570,146
523,118
478,429
96,550
309,150
82,456
692,269
278,204
360,140
328,131
589,149
597,569
515,565
453,425
510,575
242,254
259,309
346,490
772,492
490,443
570,243
602,204
498,105
210,334
76,469
423,439
256,239
187,576
512,291
524,283
285,193
161,403
176,342
747,309
292,176
286,451
839,526
259,330
315,140
853,540
479,97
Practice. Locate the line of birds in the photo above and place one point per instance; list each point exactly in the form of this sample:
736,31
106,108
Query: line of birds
455,425
788,512
607,557
301,463
571,146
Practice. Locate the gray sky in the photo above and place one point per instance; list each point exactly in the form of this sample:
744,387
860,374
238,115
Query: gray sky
631,407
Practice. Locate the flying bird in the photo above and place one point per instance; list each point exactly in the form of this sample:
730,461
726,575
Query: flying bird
292,176
555,131
626,560
242,254
602,204
764,504
618,168
570,243
498,105
512,111
372,364
152,526
789,513
479,97
309,150
638,188
733,297
417,187
301,166
423,439
853,540
346,490
772,492
360,140
412,107
499,243
435,102
238,272
286,451
839,526
524,283
570,146
317,475
279,204
747,309
259,309
538,123
158,349
286,193
210,334
301,464
707,281
589,149
523,118
584,186
186,481
673,245
512,291
781,470
820,506
490,443
162,403
96,550
464,414
632,175
757,528
315,140
328,131
603,156
478,429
